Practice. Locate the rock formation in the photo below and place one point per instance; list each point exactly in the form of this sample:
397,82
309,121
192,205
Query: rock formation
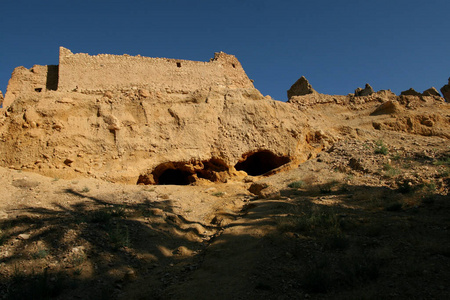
1,98
445,90
431,92
410,92
368,90
300,87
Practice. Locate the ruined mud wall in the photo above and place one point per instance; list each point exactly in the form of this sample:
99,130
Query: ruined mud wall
82,72
35,80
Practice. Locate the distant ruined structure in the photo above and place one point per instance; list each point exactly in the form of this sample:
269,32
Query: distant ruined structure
93,74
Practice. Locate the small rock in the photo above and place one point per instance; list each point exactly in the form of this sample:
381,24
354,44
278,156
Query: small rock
144,93
257,187
23,236
68,161
368,90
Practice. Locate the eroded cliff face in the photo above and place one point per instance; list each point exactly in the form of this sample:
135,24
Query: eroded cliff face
139,130
124,136
148,130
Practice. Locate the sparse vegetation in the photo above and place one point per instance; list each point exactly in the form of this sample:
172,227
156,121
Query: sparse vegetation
390,171
393,206
296,184
119,236
41,253
327,187
380,148
218,194
85,190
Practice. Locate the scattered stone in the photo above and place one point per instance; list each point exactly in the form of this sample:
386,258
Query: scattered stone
300,87
269,192
368,90
108,94
264,190
182,251
144,93
157,212
257,187
23,236
68,161
65,100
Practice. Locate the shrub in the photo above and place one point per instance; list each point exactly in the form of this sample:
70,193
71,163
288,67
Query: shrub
218,194
296,184
380,148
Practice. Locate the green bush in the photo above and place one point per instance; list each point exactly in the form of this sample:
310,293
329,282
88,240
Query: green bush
380,148
296,184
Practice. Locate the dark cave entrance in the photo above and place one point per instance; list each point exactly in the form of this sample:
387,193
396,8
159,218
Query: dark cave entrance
174,177
185,173
260,162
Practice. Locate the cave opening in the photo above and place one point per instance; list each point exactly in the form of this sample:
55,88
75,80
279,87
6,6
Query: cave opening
185,173
260,162
174,177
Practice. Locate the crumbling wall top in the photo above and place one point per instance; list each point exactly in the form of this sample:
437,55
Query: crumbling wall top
82,71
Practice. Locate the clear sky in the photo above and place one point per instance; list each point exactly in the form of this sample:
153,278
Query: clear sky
337,45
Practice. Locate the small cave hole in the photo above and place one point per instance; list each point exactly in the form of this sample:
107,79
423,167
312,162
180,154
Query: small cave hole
234,66
178,65
260,162
38,90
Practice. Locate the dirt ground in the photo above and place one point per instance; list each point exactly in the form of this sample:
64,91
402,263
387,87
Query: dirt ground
368,218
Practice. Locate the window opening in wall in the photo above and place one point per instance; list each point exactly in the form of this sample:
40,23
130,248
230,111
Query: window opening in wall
52,78
178,64
38,90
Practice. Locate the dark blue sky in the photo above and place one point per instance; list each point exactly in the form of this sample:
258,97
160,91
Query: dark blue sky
337,45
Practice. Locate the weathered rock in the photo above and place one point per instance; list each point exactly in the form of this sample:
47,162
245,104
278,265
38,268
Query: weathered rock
445,90
1,98
368,90
300,87
144,93
263,190
410,92
24,236
431,92
388,107
256,188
